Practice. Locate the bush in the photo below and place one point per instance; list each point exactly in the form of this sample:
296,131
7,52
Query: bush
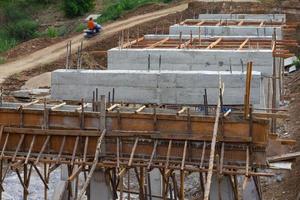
114,11
297,63
74,8
23,29
52,32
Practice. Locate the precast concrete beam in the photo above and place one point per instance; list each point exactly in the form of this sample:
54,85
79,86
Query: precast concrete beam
165,87
190,59
266,17
226,30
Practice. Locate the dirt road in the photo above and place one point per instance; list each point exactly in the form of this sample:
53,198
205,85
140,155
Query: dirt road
57,51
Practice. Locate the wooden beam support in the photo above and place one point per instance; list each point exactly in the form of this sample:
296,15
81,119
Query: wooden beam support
243,44
213,145
133,151
128,44
140,109
111,108
213,44
57,106
158,43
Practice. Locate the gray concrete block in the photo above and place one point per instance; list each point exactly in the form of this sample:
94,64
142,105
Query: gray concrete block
190,59
165,87
267,17
226,30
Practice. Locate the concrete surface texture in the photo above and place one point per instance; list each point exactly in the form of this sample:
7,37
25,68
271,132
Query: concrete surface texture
269,17
159,37
190,59
166,87
226,30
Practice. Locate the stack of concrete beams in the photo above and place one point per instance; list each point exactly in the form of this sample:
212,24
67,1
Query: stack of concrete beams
258,17
233,30
179,77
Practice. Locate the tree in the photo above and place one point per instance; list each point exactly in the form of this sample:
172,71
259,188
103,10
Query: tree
74,8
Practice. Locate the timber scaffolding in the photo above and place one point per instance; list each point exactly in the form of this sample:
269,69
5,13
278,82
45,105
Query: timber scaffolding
280,48
229,141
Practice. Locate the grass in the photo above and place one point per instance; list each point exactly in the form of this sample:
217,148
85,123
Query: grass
2,60
114,10
6,42
80,27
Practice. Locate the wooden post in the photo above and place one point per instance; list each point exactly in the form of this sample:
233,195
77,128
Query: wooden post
102,113
212,150
181,185
25,180
248,90
1,167
142,183
274,85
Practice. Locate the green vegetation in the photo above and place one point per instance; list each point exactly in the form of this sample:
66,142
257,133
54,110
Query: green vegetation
6,42
16,23
80,27
114,10
74,8
297,63
2,60
52,32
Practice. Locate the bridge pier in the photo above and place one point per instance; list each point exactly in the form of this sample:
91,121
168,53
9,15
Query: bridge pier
100,187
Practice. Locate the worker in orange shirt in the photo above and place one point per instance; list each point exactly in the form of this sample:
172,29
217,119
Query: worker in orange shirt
93,26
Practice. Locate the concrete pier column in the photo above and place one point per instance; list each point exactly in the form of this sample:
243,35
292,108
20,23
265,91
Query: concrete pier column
250,191
60,191
221,188
156,183
100,187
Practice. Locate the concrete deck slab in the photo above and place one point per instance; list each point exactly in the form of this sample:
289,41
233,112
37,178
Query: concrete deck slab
270,17
226,30
166,87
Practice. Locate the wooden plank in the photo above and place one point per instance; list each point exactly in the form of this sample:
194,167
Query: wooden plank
284,157
140,109
133,151
243,44
158,43
128,44
111,108
261,23
214,43
200,23
58,106
30,103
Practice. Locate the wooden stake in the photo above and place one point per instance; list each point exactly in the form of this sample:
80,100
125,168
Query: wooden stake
213,145
93,168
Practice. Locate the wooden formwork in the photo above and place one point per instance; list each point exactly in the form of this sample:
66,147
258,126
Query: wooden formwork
140,138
